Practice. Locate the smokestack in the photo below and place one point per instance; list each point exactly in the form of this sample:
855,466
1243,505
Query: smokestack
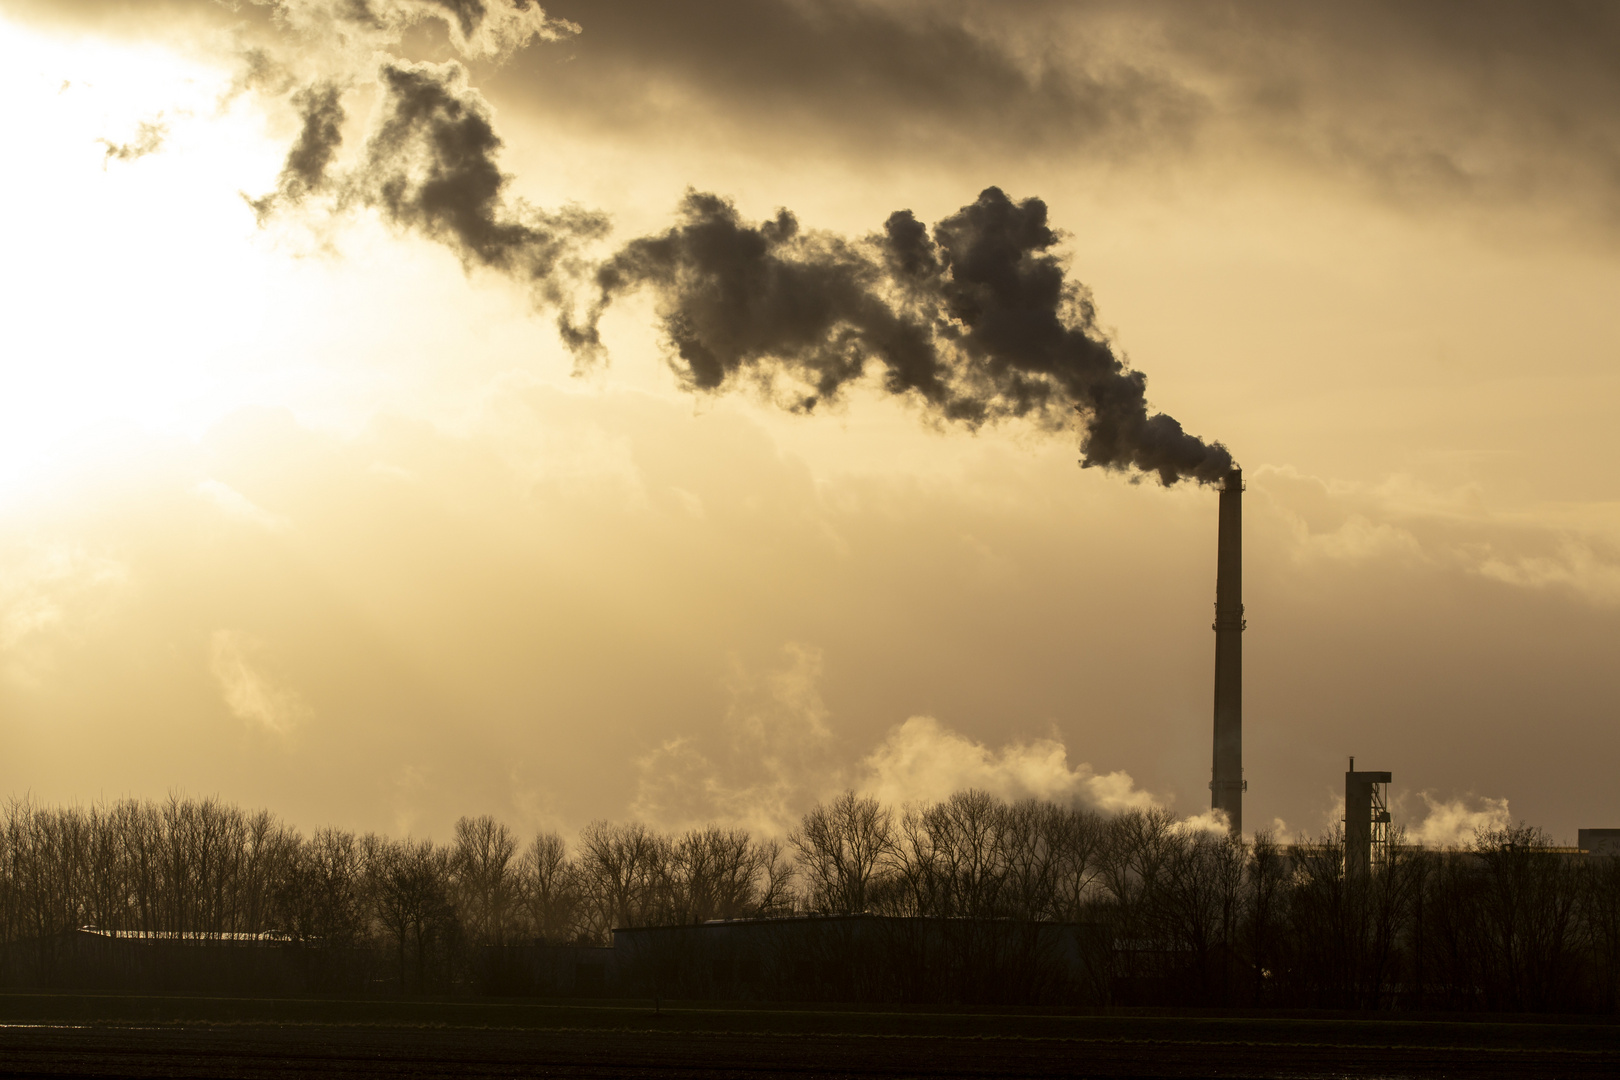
1226,783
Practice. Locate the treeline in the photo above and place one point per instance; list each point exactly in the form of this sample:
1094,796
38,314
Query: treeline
1507,923
206,867
1193,917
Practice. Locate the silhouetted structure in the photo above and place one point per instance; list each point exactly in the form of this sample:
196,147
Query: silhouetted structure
155,962
1366,821
1226,783
1599,841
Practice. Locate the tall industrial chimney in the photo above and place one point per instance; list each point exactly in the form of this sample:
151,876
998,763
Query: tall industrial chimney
1226,785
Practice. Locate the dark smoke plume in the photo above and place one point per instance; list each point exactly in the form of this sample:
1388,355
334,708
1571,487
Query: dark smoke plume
320,106
976,320
771,299
430,166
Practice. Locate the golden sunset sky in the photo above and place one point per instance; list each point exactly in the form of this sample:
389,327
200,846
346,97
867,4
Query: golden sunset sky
310,510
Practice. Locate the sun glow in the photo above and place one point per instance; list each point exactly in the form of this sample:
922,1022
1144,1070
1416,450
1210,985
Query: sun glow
125,276
140,293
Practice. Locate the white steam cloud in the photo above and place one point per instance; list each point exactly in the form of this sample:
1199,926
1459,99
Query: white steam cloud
1453,823
778,760
249,692
775,763
924,760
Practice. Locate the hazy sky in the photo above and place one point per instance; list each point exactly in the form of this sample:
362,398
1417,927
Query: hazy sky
304,501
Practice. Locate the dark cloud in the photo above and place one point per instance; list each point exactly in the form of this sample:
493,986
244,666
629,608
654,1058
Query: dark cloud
875,77
1491,99
1451,103
977,322
1426,104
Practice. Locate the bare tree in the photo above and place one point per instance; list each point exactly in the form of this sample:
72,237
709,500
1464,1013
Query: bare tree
487,882
1266,891
322,896
841,847
409,885
914,881
774,893
552,890
1199,904
1529,904
1076,838
620,866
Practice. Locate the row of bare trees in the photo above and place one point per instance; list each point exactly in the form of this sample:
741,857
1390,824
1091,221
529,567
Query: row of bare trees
203,867
1192,917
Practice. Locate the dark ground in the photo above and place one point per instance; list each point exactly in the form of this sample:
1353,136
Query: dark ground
112,1036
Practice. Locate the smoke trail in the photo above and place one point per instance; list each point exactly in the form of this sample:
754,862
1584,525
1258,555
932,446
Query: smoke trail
770,300
430,166
1029,337
977,321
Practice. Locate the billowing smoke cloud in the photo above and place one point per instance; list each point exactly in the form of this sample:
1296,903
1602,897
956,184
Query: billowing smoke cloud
320,135
430,166
321,106
1029,335
737,299
429,163
975,320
